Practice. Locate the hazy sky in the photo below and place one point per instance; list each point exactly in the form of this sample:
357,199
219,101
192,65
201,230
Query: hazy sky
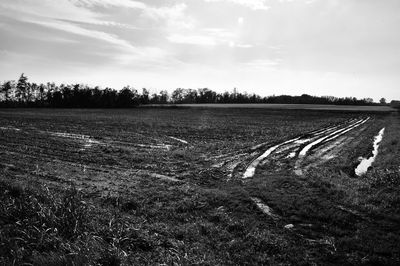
319,47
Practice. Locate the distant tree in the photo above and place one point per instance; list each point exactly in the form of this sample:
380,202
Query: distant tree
42,89
206,95
125,97
367,100
6,89
164,96
135,97
23,93
191,96
178,95
109,98
382,101
395,104
144,98
32,92
22,88
155,98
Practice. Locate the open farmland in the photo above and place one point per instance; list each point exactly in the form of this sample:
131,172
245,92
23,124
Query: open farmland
209,186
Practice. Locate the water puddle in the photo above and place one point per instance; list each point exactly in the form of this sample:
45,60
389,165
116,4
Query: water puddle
164,177
264,208
10,128
88,142
155,146
365,163
291,155
179,140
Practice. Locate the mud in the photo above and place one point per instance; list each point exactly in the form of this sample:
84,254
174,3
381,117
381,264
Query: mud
303,144
331,136
252,167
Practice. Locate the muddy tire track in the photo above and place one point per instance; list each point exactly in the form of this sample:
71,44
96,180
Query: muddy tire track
317,143
243,165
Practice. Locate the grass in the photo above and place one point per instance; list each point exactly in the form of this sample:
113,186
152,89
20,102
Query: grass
41,228
45,227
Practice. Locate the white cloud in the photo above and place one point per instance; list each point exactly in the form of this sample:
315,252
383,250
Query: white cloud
243,45
71,17
252,4
192,39
71,28
173,15
262,63
208,37
219,33
109,3
59,16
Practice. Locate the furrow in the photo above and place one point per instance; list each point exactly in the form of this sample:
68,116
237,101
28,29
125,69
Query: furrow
331,136
250,170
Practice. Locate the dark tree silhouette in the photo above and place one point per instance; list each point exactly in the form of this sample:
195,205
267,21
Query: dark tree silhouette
22,88
23,94
6,89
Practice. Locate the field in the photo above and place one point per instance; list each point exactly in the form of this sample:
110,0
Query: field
208,186
280,106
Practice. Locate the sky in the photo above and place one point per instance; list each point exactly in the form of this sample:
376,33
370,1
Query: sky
268,47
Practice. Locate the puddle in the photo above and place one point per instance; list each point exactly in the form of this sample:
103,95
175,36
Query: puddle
302,141
291,155
10,128
264,208
164,177
88,141
365,163
179,140
69,135
156,146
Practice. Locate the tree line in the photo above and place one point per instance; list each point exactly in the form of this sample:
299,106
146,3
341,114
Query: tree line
23,93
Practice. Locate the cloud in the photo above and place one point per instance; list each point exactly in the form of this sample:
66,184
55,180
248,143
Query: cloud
252,4
241,45
208,37
219,33
76,18
59,16
263,63
110,3
192,39
173,14
71,28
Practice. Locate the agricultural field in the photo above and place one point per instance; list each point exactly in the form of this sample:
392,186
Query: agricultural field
207,186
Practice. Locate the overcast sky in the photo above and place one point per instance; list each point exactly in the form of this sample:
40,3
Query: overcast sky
318,47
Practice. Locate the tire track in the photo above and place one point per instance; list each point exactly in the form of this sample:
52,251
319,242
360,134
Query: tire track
250,170
325,139
332,136
296,146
